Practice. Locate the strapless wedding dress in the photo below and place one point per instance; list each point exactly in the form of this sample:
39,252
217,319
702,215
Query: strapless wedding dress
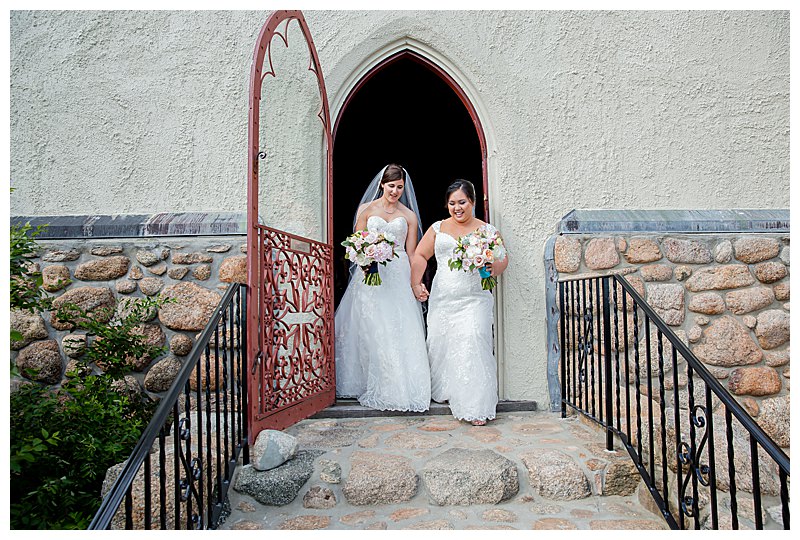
380,339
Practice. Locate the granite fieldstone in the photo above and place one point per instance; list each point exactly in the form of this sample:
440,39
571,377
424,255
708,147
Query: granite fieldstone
97,301
667,301
781,291
462,476
642,250
601,253
233,269
686,251
754,249
754,381
708,303
770,272
746,300
181,345
74,345
41,361
61,255
191,258
104,269
177,272
29,324
55,277
158,269
772,328
192,308
729,276
162,374
319,497
278,486
105,251
556,476
125,286
656,272
377,478
774,419
727,343
567,254
147,258
723,252
272,449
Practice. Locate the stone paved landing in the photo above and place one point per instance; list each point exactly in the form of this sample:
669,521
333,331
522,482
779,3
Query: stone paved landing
407,445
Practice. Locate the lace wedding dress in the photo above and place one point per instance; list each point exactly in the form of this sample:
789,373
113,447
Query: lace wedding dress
460,344
380,337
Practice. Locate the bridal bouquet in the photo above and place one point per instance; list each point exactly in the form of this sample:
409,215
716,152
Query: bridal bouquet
475,250
367,249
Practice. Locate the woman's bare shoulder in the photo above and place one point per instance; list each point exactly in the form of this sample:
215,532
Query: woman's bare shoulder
406,211
368,207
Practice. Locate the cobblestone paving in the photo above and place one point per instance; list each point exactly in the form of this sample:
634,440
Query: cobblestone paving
420,438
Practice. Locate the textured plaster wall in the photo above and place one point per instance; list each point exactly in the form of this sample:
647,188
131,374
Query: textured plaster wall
146,112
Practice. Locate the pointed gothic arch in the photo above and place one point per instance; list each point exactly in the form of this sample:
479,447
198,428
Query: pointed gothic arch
407,109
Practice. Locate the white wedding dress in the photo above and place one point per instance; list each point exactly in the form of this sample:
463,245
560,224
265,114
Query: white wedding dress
380,335
460,343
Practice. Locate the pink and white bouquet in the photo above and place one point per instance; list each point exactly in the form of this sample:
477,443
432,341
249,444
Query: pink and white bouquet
368,249
475,251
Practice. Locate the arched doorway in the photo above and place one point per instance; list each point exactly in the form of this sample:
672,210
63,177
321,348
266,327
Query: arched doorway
405,110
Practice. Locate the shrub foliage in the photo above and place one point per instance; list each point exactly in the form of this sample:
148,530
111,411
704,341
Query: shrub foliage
64,439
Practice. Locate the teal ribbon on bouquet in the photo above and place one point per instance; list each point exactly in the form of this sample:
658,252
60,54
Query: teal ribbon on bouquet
488,282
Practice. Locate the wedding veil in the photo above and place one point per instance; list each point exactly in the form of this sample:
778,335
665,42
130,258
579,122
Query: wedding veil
374,191
408,197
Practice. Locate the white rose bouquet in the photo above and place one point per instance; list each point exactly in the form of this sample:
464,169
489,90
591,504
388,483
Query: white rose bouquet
368,249
475,251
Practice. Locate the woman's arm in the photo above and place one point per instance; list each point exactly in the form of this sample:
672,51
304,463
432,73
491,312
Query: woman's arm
419,262
361,217
411,236
499,267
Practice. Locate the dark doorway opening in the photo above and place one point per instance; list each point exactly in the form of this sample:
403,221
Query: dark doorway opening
405,113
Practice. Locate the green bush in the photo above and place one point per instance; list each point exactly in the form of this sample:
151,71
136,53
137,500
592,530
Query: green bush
63,441
26,291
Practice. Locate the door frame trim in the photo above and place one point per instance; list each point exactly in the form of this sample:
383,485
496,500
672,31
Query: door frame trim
470,97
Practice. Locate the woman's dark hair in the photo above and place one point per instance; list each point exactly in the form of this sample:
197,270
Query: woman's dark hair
465,186
393,172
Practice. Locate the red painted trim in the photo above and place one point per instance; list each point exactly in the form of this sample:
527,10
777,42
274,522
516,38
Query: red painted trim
442,74
256,303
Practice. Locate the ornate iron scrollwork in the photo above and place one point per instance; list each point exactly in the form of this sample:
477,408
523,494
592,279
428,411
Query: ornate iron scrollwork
586,346
298,340
691,459
184,431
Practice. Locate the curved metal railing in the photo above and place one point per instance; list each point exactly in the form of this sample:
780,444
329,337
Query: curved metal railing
705,461
178,475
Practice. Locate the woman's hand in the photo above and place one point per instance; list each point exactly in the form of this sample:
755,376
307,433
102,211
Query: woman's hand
490,268
420,292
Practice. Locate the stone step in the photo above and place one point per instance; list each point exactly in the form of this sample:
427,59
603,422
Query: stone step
523,470
351,408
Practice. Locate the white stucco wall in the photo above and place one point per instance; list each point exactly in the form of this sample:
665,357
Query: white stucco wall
128,112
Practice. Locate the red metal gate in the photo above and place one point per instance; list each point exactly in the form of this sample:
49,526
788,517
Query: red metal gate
290,278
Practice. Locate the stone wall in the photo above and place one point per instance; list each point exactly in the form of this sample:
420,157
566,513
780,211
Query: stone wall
98,273
725,295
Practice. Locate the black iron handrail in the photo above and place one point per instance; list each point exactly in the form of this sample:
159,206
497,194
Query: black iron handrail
199,471
586,318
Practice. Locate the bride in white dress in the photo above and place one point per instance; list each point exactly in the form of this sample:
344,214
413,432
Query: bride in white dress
380,335
460,315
